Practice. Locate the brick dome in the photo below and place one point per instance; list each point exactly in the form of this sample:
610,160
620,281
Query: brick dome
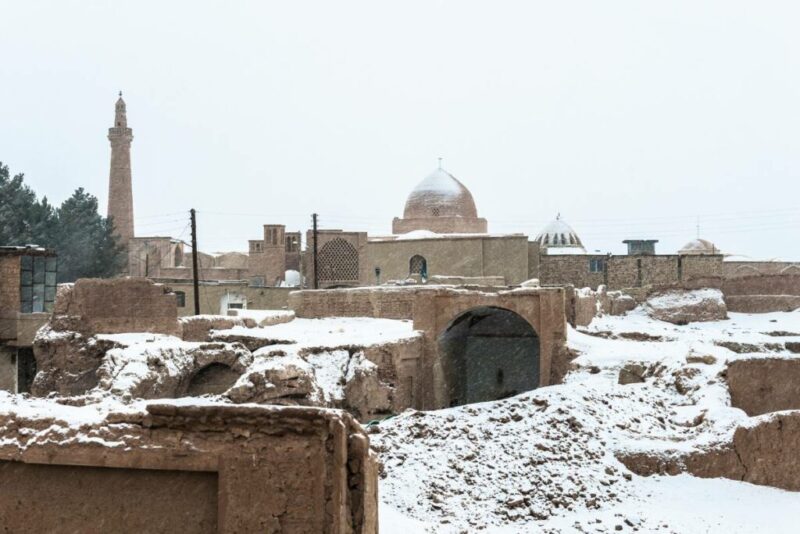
440,204
440,195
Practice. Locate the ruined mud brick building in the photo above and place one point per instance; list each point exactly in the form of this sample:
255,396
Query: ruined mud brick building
192,469
524,330
27,294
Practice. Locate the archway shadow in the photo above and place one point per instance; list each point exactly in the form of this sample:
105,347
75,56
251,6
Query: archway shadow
488,353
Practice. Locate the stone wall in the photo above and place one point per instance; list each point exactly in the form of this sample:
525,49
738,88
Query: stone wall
624,272
120,305
209,468
570,270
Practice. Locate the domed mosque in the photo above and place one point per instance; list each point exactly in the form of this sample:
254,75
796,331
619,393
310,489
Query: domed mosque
442,205
559,238
699,247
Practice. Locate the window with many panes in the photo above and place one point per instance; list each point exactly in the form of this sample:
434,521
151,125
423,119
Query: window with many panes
37,284
596,265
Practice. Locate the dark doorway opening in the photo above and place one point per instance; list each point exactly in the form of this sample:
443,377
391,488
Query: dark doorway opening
488,354
213,379
26,370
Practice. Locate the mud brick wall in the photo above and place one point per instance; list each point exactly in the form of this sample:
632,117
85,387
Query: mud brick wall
112,306
212,296
9,296
778,284
761,293
763,385
210,468
737,269
367,302
9,284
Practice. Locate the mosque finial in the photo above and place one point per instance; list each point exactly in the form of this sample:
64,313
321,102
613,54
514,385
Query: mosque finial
120,94
440,163
558,216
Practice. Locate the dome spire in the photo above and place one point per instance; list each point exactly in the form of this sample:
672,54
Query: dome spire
440,163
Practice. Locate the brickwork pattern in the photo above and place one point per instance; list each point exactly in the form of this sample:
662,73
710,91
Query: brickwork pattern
358,240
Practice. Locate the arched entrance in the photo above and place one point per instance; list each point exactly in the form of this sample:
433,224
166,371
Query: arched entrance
488,353
213,379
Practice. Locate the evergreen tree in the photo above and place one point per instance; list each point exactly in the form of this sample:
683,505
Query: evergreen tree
23,219
84,240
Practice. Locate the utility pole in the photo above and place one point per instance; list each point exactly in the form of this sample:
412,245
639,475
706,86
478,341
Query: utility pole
195,281
315,232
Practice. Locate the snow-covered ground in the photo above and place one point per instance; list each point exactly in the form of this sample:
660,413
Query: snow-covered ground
545,461
330,332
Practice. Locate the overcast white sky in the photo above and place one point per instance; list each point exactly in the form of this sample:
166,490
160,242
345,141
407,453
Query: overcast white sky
630,118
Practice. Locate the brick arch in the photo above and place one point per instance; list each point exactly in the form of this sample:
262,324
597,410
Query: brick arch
791,269
433,312
488,353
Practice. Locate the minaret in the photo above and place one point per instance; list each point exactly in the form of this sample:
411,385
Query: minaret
120,191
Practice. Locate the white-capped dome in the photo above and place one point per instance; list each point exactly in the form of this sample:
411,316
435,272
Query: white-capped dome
440,195
559,238
699,246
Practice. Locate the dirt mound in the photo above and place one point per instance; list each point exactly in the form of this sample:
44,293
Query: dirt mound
684,307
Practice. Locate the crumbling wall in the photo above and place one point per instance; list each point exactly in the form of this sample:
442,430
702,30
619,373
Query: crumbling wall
381,302
432,309
199,327
764,451
118,305
176,468
763,385
761,293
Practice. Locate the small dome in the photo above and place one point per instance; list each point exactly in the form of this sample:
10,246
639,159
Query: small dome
559,238
440,195
699,246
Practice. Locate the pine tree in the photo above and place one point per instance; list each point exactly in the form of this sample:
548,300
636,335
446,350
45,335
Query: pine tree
84,240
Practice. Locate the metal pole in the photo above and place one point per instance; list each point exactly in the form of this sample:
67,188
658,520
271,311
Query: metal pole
316,277
195,281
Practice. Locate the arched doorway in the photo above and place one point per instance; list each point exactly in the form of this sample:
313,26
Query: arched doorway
213,379
488,353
